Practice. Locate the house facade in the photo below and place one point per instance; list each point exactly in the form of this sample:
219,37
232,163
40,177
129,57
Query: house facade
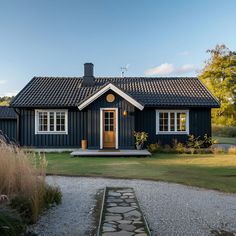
55,112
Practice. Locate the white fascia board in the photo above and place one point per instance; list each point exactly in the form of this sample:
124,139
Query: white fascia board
116,90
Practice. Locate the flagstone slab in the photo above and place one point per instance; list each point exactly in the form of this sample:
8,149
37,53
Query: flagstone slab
120,233
121,214
120,209
127,227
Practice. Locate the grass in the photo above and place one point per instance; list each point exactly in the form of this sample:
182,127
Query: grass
208,171
23,183
228,140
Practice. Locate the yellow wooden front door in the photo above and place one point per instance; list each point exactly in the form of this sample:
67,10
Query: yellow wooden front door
109,128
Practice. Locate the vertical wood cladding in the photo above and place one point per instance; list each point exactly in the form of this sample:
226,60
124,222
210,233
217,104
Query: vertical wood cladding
83,124
77,126
8,129
199,124
125,123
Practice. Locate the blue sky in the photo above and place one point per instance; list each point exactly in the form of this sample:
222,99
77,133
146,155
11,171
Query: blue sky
154,38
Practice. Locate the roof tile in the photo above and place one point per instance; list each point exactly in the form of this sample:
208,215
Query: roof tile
67,91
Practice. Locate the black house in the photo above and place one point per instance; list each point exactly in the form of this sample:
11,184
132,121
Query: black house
55,112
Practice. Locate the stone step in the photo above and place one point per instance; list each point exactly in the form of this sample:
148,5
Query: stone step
121,215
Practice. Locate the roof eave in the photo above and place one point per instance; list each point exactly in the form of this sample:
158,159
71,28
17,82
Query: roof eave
103,90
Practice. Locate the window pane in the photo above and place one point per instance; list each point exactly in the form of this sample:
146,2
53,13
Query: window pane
60,121
43,121
106,128
106,121
51,121
163,121
58,128
51,115
172,121
181,121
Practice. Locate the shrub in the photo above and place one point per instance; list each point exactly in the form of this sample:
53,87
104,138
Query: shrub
23,206
155,147
140,138
194,142
10,222
52,196
232,150
167,149
178,147
217,150
223,131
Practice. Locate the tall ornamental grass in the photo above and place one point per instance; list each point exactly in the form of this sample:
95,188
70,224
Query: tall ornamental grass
22,180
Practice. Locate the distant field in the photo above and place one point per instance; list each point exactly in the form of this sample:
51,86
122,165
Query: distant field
225,140
208,171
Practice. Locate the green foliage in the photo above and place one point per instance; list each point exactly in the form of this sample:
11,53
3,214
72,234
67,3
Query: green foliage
154,147
224,131
5,101
11,223
52,195
30,209
219,75
24,207
140,137
180,148
194,144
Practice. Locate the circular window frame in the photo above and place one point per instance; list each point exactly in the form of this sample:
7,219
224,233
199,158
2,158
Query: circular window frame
110,98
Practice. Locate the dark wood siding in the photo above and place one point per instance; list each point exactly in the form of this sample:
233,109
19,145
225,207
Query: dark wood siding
125,123
77,126
83,124
199,124
8,129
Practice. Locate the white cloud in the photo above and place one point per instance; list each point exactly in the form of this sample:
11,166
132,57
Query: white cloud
185,68
170,69
163,69
3,81
9,94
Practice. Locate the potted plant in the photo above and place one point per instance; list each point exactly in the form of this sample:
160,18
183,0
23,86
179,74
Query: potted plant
140,138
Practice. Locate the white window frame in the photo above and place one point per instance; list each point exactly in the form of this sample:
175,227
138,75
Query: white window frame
37,131
172,132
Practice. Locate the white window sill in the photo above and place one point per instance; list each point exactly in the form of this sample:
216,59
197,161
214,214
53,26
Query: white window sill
44,132
172,132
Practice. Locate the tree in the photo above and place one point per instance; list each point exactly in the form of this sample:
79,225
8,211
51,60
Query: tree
5,101
219,75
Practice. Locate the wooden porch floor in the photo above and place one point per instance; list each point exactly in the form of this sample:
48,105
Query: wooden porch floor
106,152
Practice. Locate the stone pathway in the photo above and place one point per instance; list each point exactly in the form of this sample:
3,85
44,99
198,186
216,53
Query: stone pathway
121,214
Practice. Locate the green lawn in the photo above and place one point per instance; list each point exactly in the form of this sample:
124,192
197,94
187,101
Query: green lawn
225,140
208,171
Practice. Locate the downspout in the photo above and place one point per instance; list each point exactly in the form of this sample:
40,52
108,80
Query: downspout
17,111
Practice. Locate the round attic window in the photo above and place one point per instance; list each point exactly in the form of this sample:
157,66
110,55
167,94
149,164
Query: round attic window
110,98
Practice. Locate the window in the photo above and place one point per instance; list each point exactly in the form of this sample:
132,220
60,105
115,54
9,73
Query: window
109,121
174,121
51,121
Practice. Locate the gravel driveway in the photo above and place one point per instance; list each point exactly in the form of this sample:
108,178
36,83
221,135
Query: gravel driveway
170,209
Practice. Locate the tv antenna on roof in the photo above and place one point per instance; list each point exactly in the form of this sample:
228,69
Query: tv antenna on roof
124,69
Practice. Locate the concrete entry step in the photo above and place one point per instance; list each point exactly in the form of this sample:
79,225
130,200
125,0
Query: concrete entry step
121,214
111,153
